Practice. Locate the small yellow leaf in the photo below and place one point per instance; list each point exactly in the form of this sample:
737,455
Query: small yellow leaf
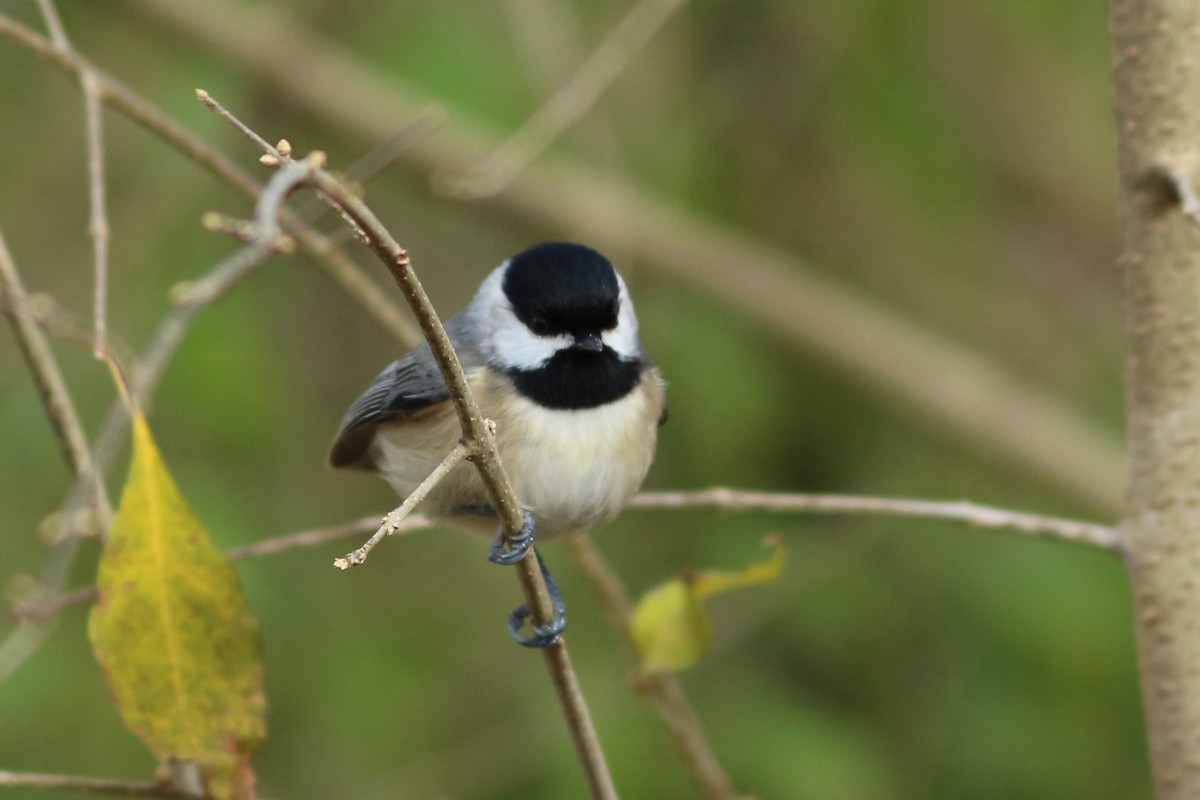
173,631
669,627
715,581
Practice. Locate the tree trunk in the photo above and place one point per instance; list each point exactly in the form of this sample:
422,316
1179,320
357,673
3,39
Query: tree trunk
1156,72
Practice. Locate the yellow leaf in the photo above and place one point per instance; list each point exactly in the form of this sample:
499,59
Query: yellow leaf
715,581
669,626
173,631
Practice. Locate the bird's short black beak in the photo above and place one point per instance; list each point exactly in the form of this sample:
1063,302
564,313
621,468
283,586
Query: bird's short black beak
590,342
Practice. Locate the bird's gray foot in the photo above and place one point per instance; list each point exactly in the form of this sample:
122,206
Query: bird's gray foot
517,546
541,635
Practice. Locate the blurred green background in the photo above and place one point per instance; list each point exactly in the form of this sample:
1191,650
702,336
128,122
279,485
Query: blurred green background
949,162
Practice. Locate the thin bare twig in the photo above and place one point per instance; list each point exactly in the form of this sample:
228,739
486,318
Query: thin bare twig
91,786
49,380
216,282
332,259
58,33
395,518
98,228
478,436
313,538
38,612
564,108
1067,530
243,128
662,692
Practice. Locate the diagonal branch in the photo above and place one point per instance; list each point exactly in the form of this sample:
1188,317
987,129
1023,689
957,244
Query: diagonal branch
564,108
478,433
480,436
392,522
49,380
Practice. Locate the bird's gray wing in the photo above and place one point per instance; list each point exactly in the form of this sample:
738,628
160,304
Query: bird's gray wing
404,388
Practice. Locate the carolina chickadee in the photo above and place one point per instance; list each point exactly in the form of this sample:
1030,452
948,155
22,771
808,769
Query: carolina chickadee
550,348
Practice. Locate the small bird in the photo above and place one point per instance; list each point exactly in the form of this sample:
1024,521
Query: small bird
550,348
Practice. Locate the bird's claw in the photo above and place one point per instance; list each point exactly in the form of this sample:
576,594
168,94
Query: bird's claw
543,635
517,546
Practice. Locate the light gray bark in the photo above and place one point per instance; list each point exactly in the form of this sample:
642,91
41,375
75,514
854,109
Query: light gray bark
1156,73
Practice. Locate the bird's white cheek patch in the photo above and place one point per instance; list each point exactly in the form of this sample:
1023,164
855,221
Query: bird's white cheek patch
624,338
515,346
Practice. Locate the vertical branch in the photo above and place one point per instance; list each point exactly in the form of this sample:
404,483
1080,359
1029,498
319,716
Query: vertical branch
98,225
1156,71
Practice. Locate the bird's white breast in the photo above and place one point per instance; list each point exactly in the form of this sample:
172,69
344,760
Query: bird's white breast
575,468
571,468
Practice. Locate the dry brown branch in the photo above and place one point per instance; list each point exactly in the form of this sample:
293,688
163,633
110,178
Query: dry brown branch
478,433
973,514
91,786
480,437
564,108
964,391
662,692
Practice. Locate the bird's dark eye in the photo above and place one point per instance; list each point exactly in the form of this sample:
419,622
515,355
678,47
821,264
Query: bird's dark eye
539,325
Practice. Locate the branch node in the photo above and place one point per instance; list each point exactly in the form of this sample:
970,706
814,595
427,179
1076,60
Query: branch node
244,231
1171,183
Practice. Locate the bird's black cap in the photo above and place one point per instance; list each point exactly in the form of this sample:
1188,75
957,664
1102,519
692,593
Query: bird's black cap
559,287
